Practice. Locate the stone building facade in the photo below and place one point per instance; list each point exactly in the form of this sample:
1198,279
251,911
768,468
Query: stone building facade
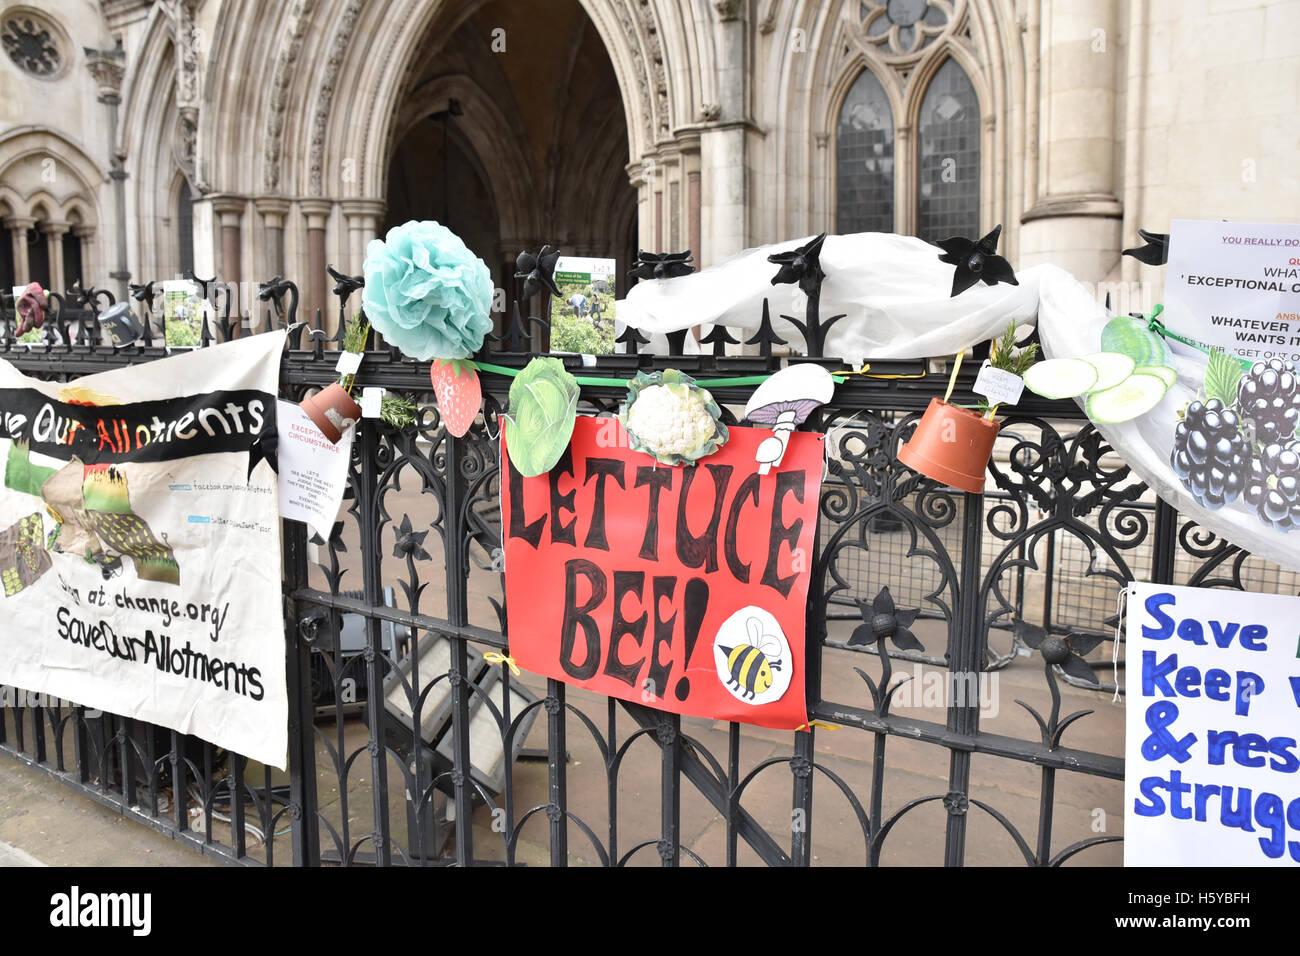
249,138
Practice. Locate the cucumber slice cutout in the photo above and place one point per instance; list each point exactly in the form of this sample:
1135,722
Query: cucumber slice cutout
1061,378
1159,371
1136,395
1112,368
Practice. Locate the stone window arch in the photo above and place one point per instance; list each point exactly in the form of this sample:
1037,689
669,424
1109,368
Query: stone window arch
916,72
50,212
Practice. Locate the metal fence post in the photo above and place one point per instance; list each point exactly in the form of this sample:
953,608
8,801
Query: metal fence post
964,658
302,738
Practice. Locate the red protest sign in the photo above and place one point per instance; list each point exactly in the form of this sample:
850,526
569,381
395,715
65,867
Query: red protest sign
683,588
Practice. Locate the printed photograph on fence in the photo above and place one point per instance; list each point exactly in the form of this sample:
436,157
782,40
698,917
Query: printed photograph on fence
582,317
182,313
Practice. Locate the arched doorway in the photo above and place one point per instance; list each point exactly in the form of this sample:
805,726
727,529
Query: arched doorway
512,127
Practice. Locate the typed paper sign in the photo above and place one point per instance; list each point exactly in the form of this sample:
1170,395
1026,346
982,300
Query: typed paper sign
1212,764
1235,286
140,543
313,470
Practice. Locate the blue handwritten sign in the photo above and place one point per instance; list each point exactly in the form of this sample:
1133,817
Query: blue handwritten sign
1212,774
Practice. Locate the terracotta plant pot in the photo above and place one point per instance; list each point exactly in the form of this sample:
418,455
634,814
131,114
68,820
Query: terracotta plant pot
951,445
333,411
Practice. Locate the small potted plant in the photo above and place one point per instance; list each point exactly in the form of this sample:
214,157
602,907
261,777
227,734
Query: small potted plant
332,409
952,443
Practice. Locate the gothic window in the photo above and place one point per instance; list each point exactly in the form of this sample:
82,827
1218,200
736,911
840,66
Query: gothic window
864,150
31,43
7,277
948,150
38,258
72,265
185,228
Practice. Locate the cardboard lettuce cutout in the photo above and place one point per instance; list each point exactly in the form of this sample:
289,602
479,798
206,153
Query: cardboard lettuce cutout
543,406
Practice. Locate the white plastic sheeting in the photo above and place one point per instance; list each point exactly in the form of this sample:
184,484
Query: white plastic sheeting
894,293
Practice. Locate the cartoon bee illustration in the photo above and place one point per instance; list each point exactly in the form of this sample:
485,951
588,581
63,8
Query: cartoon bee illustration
751,665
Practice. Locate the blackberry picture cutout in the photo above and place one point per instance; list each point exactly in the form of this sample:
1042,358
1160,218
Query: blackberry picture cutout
1273,486
1268,401
1210,456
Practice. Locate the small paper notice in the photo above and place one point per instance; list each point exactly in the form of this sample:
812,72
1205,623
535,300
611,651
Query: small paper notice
313,471
348,363
999,386
372,401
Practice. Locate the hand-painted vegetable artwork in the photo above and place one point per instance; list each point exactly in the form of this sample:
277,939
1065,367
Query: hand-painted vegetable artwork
672,419
458,392
1131,335
784,401
1114,386
539,424
1238,440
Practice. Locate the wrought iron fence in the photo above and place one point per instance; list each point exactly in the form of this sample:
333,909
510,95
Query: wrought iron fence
408,747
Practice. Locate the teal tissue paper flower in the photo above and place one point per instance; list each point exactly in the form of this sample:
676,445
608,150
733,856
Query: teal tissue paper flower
426,293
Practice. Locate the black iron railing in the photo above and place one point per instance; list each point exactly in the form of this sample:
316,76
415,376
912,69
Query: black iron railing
407,748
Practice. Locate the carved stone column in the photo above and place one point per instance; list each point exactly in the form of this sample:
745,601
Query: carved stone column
363,217
18,226
86,236
723,143
229,211
54,233
272,210
316,290
108,67
1075,219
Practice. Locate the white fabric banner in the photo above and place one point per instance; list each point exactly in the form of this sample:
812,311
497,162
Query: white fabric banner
140,558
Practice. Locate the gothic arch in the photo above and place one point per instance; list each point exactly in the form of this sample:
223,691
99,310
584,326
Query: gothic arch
31,160
149,135
982,36
485,127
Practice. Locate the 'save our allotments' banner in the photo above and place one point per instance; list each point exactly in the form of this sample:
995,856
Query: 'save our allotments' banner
683,588
140,552
1212,767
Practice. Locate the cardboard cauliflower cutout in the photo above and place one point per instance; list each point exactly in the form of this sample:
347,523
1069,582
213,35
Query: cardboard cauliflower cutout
672,419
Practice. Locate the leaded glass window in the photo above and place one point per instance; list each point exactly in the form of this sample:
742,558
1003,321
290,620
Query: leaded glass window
949,150
864,150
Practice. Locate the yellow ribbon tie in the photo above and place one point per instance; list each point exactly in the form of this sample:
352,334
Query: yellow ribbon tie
493,657
817,723
952,379
867,374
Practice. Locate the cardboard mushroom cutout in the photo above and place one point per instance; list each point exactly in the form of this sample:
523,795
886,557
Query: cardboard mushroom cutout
784,401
